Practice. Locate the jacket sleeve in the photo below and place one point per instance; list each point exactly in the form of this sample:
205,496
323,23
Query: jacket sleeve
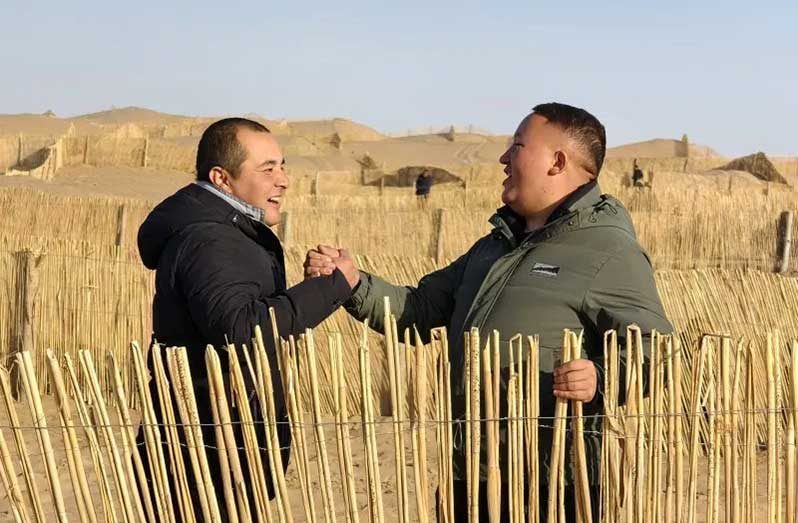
224,299
623,293
427,306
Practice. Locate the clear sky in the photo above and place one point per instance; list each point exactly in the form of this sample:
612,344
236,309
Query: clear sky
725,73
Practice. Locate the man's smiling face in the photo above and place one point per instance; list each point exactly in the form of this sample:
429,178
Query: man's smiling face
261,180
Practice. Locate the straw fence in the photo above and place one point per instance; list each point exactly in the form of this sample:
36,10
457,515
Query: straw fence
679,229
672,453
68,295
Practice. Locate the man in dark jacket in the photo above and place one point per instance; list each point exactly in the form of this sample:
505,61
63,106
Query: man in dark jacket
561,255
637,175
219,267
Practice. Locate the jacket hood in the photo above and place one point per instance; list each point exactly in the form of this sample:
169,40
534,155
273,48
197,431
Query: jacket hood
191,204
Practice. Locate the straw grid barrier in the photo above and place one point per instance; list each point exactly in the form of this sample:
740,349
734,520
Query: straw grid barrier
673,453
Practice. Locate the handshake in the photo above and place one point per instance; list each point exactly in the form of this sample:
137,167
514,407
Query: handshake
323,260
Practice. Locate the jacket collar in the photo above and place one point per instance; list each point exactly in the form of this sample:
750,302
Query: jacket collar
237,203
512,225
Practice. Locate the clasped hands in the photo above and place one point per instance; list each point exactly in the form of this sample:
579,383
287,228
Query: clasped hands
323,260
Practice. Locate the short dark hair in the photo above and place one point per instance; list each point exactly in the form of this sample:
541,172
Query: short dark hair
580,125
219,146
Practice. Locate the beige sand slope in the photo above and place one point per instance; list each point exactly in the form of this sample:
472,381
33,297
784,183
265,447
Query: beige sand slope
660,148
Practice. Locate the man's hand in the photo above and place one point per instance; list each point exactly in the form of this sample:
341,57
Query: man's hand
323,260
576,380
346,264
319,261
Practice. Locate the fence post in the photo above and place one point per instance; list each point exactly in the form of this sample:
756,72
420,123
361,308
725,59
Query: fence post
440,214
28,290
86,151
19,150
465,193
785,241
285,227
382,185
121,224
145,156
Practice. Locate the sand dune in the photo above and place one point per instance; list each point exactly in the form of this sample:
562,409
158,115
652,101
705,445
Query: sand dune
660,148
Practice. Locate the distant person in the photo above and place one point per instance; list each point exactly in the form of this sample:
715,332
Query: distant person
423,188
637,175
561,255
219,268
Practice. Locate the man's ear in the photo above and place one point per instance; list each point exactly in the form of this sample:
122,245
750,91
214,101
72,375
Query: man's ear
560,161
220,178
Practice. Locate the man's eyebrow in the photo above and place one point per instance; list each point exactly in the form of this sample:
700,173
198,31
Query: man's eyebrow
270,163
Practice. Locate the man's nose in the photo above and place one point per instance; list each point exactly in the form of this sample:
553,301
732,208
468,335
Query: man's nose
282,180
504,159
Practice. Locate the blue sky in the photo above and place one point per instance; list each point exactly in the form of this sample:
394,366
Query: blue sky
725,73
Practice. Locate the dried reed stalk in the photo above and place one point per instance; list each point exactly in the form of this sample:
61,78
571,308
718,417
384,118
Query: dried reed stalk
369,433
229,460
582,484
104,478
291,385
442,443
728,428
421,421
265,390
655,387
257,474
640,412
610,449
9,477
342,438
492,437
466,426
131,501
792,415
80,484
780,412
671,452
129,439
512,450
750,439
555,512
221,445
22,450
446,395
695,411
165,400
410,363
152,436
773,453
518,492
392,357
531,429
31,388
735,429
177,361
714,407
321,447
679,405
474,423
630,464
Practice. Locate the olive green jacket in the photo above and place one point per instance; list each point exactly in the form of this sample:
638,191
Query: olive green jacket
584,271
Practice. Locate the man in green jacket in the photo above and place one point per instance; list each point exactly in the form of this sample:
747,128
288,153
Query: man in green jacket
561,255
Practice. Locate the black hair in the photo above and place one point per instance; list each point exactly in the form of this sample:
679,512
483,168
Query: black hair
580,125
219,146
